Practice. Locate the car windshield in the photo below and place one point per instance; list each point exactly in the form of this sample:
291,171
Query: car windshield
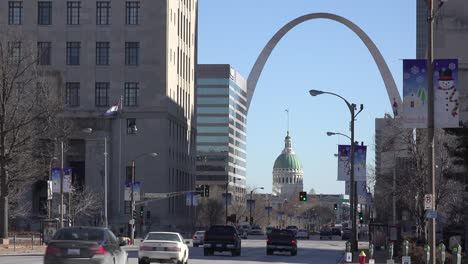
163,237
200,233
85,234
291,227
222,229
302,230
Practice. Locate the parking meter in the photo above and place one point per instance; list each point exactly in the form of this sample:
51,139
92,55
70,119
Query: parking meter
427,257
390,251
405,248
456,254
442,253
348,246
371,251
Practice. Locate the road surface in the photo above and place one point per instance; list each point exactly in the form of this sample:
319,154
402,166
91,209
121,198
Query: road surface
253,252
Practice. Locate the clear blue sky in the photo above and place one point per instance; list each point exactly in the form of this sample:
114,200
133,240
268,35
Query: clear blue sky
318,54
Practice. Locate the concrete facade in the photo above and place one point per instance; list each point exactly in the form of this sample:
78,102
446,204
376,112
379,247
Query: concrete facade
162,108
221,106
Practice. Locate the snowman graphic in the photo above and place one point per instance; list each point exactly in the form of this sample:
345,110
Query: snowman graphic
446,100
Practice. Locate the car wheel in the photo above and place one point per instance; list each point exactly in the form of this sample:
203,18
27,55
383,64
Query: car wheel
269,252
195,245
294,252
141,261
206,252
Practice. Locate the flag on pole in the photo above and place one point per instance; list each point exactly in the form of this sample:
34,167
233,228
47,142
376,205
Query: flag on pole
113,110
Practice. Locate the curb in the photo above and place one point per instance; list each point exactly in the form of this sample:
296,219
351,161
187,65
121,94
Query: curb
37,254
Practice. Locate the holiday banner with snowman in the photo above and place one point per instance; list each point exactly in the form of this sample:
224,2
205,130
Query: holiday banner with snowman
446,104
344,163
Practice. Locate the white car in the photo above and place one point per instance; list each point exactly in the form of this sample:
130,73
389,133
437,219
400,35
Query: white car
163,247
302,233
198,238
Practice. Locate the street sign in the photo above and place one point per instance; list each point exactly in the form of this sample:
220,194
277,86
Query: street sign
405,260
371,261
344,200
131,221
431,214
390,261
49,190
155,195
349,257
428,202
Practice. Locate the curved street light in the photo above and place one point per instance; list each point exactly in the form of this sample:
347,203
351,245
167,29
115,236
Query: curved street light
337,133
353,197
250,203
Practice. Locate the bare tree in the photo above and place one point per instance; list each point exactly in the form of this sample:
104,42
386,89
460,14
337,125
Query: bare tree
86,206
28,100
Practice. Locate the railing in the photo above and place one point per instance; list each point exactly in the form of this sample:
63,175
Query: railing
28,241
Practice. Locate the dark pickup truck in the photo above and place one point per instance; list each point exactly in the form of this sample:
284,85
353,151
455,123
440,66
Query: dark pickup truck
221,238
281,240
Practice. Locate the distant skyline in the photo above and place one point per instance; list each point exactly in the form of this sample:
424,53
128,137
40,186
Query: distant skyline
318,54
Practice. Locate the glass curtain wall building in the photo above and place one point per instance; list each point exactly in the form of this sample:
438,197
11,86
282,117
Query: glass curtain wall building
221,128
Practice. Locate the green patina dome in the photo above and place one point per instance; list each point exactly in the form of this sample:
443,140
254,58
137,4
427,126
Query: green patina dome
288,161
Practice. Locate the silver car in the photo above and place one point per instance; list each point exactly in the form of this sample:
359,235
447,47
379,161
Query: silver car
77,245
198,238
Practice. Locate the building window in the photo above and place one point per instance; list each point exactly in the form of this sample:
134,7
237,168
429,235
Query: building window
102,94
132,50
131,94
43,53
103,13
102,53
15,12
131,126
14,48
73,13
131,17
44,13
73,53
73,94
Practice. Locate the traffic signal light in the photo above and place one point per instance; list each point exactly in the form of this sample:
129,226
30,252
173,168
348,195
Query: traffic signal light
361,218
142,211
302,196
134,214
335,207
199,190
206,191
148,214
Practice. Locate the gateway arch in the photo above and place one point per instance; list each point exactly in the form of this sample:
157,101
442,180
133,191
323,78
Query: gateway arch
392,91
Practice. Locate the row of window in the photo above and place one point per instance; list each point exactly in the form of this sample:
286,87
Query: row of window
44,12
72,94
44,53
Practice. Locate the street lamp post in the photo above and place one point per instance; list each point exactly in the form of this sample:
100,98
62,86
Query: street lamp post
250,203
353,196
132,195
61,185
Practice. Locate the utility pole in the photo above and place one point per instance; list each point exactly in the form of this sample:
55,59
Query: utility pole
431,228
352,183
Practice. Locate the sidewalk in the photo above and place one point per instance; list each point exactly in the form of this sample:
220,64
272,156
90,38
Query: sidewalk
10,250
380,256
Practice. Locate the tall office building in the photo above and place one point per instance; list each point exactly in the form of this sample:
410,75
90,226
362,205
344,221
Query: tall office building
140,52
221,128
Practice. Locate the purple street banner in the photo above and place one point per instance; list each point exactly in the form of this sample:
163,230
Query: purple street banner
67,180
55,175
415,93
128,191
191,199
344,164
446,94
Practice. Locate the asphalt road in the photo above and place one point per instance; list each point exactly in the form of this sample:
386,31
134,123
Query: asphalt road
253,252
